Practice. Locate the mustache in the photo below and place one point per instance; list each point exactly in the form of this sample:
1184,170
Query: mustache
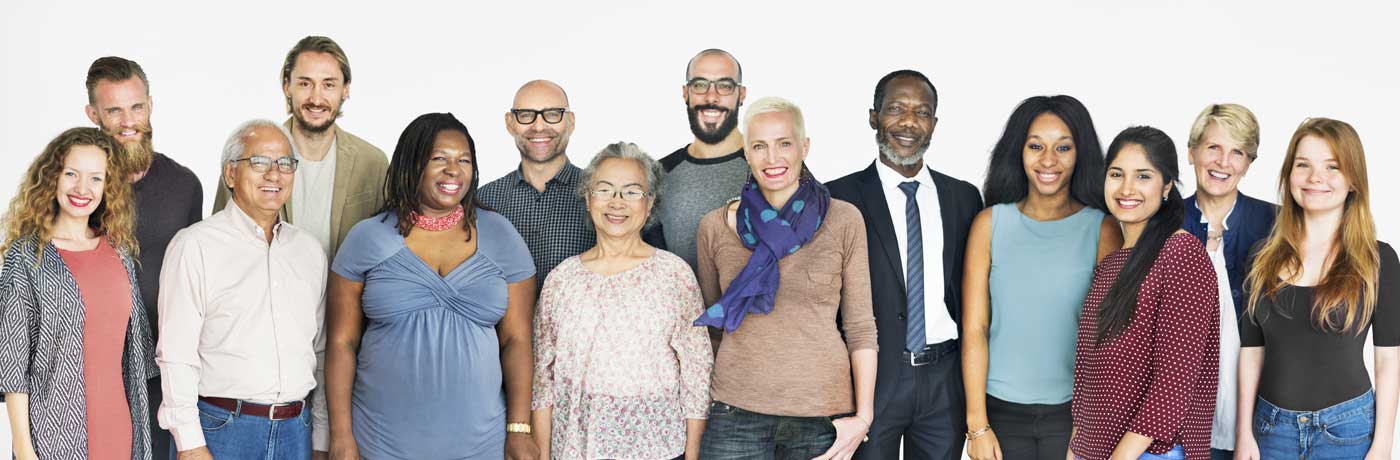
700,107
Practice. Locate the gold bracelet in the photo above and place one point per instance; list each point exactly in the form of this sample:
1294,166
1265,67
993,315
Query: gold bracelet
976,434
522,428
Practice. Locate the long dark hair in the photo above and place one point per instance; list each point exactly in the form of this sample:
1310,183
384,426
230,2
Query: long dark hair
402,181
1120,304
1006,172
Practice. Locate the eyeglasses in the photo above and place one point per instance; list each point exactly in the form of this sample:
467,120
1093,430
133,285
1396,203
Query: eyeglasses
261,164
724,86
527,116
631,194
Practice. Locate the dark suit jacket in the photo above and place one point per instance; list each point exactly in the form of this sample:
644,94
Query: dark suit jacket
958,203
1250,221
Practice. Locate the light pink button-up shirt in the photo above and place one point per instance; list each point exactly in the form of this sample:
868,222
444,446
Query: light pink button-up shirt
239,318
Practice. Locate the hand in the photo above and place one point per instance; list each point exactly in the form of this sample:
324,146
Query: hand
198,453
520,446
320,455
1246,448
850,432
344,448
984,447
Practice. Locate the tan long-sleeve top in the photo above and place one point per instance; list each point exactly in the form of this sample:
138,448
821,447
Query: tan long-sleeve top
792,361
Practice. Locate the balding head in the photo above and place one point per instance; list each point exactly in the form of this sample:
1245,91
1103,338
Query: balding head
715,54
540,94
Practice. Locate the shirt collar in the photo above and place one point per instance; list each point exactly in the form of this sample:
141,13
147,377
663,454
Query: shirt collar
567,176
1225,222
891,178
246,225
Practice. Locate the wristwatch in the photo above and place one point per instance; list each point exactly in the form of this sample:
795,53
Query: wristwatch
522,428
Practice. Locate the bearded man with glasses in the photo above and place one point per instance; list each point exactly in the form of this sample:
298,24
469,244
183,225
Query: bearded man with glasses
539,198
711,169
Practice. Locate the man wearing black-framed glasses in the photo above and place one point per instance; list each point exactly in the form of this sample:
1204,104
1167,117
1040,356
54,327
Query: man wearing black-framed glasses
539,197
711,169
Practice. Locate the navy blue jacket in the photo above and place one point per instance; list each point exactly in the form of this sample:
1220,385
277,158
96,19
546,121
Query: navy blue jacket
1250,221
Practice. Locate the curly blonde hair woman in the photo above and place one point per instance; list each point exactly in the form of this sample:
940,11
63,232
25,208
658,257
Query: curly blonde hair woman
75,348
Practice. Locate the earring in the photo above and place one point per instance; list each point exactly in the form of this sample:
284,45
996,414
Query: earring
1164,199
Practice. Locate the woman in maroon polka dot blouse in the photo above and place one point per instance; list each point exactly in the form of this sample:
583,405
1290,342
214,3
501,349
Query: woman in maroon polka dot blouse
1145,368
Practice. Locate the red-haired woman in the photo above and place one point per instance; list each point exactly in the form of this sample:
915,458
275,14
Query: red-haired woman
1318,283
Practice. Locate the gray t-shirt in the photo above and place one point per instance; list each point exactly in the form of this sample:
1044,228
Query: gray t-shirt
693,187
312,194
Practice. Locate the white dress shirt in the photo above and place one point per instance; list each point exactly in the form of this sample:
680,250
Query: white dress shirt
241,319
938,325
1222,432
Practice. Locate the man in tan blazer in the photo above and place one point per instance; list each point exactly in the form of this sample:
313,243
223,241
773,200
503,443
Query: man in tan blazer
340,177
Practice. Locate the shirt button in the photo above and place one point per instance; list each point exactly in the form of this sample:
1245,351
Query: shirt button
901,316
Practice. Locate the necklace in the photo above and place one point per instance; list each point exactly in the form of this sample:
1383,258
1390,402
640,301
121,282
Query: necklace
437,224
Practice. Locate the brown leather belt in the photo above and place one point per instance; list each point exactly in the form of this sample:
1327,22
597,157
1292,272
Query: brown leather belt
281,411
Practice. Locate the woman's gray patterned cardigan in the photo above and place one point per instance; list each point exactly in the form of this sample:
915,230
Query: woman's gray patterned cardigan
41,351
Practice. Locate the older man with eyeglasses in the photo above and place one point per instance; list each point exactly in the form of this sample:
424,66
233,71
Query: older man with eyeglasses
539,197
242,302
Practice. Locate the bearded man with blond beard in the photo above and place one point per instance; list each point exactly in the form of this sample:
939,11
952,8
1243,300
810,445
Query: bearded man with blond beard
168,196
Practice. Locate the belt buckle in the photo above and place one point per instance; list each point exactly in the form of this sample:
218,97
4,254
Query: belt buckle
914,359
272,411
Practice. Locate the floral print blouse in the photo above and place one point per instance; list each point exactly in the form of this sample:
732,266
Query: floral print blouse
618,361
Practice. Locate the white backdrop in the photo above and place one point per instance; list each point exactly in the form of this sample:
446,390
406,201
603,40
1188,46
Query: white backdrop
214,65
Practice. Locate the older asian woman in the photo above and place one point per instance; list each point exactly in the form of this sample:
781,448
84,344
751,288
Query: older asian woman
620,371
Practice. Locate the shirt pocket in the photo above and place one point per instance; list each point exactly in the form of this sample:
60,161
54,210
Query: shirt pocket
824,278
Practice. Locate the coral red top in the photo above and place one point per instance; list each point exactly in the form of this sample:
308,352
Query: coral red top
1158,377
106,293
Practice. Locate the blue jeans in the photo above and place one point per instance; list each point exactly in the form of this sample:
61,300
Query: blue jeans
236,436
1340,431
1177,453
736,434
1220,454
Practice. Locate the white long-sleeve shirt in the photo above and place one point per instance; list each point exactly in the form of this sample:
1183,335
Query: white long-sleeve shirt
240,318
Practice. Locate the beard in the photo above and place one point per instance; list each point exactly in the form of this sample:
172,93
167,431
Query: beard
306,126
726,126
136,155
891,155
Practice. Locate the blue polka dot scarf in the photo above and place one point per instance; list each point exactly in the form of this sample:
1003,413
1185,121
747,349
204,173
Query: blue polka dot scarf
771,234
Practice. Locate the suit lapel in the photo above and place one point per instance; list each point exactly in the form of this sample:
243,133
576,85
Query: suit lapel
946,213
344,169
286,210
881,222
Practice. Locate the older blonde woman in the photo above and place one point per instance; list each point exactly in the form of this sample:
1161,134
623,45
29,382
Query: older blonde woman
620,372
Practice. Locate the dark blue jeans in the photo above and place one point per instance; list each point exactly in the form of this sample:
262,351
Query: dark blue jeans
1341,431
736,434
233,436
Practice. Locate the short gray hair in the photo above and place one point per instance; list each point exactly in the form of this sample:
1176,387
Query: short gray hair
626,151
234,146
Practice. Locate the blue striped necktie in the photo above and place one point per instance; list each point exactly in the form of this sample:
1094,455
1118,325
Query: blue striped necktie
914,339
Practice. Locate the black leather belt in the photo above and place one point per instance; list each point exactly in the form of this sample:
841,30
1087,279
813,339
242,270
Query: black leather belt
931,353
